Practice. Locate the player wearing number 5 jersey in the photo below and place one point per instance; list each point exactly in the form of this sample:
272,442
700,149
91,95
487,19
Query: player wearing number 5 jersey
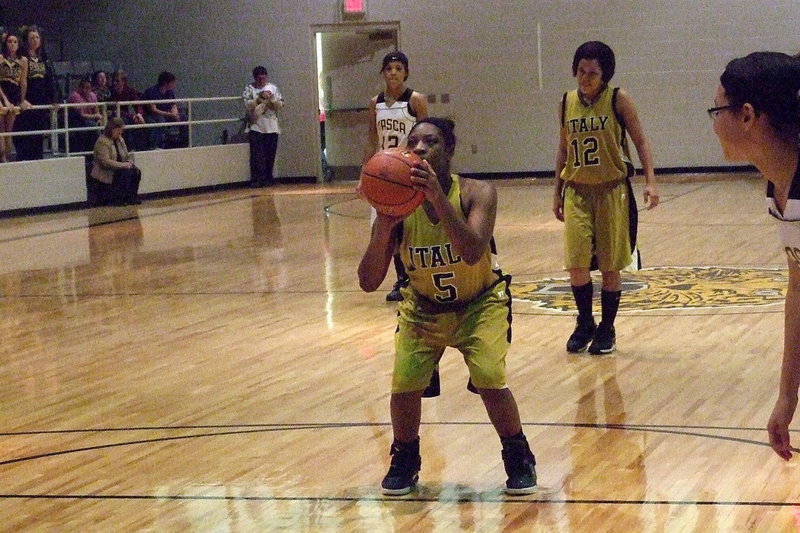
439,277
457,298
593,195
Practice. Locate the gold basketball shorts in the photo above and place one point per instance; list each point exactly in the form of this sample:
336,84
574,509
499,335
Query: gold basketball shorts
480,330
596,223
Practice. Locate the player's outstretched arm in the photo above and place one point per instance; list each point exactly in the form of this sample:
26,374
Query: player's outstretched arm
786,404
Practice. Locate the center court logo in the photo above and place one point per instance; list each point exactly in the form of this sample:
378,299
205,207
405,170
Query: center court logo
657,288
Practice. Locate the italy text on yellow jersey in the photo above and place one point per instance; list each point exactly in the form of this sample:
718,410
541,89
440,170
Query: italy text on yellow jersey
435,269
597,150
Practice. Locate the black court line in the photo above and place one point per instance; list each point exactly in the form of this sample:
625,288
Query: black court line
145,441
176,293
525,500
328,209
521,186
669,430
324,425
478,497
651,313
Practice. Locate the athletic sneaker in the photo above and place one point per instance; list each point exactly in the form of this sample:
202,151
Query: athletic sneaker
395,295
580,338
433,389
520,465
404,471
605,339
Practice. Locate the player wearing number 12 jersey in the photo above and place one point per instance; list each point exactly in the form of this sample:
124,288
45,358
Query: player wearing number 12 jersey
392,114
394,110
593,194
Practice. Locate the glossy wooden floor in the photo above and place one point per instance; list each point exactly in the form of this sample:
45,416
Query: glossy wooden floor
208,363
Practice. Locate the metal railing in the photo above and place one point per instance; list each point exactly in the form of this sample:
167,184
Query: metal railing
117,107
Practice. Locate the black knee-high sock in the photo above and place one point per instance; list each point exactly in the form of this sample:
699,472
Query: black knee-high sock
609,300
583,299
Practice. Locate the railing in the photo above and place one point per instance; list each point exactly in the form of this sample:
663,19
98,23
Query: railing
117,107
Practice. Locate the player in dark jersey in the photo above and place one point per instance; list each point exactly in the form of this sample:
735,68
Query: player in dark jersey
756,117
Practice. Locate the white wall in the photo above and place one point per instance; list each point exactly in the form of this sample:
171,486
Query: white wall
57,181
484,54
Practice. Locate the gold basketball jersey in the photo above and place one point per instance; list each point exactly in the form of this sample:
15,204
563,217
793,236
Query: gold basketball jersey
435,269
597,148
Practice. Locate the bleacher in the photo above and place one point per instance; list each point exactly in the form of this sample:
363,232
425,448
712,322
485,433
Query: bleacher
68,73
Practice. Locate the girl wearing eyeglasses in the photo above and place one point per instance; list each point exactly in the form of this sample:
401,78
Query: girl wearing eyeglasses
757,120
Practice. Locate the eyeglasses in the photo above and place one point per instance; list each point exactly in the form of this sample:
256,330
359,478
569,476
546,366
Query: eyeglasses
714,111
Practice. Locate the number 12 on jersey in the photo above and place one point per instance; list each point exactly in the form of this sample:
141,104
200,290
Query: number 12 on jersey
585,155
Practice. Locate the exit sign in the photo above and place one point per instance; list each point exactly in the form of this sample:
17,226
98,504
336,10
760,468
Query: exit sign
353,8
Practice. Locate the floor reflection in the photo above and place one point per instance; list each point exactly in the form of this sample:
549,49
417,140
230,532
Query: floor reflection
615,454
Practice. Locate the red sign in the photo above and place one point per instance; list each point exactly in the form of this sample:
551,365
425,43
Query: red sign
353,6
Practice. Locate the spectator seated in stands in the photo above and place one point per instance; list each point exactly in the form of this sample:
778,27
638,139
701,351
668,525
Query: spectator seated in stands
162,137
114,179
100,86
131,114
84,116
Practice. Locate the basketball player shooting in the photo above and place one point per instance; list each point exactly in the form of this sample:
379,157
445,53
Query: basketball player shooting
456,297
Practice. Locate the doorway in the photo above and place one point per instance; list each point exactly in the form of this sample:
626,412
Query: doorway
348,62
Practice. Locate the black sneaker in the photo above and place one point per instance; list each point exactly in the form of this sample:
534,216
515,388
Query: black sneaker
395,295
520,466
581,337
404,471
605,339
433,388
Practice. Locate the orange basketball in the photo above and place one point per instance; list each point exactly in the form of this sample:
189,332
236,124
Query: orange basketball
385,182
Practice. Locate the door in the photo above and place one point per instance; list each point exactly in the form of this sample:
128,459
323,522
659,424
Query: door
349,58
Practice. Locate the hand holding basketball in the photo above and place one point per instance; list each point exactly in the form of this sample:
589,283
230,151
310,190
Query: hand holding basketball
385,182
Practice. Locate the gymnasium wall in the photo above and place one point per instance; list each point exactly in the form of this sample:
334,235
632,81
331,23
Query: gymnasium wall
504,64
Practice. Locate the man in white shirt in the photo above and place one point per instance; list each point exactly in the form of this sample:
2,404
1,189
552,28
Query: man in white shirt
262,100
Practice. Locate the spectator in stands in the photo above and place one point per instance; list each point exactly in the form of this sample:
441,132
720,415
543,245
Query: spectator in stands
100,86
114,179
164,89
41,91
14,83
84,116
121,91
131,114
